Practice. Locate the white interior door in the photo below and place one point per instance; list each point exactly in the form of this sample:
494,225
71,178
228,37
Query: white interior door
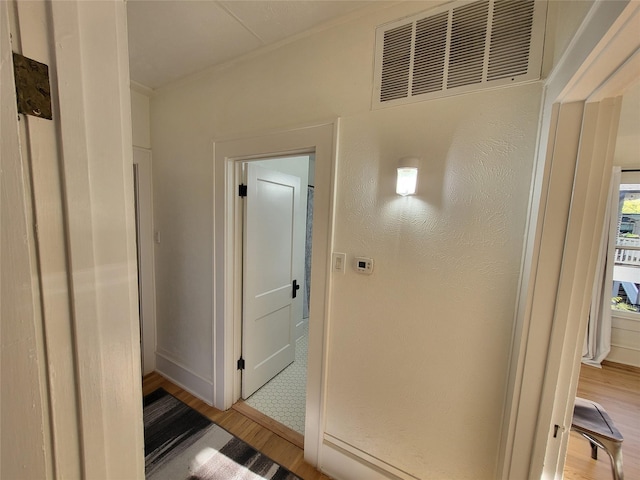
269,285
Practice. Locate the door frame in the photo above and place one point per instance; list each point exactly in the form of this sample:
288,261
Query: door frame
88,392
577,137
25,392
227,285
146,262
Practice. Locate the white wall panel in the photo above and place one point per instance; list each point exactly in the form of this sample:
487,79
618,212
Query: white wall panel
432,325
140,122
625,339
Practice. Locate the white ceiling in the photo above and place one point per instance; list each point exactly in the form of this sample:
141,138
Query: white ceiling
170,39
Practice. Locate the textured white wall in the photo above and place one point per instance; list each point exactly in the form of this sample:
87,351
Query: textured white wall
426,337
183,217
141,129
418,352
303,87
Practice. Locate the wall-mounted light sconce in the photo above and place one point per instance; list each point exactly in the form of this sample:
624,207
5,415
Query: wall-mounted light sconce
407,176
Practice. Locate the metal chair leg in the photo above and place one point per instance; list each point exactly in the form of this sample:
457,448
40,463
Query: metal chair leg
592,422
614,449
594,450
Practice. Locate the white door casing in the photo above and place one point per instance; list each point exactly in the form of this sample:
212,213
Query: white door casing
26,448
146,275
81,196
228,153
579,120
268,340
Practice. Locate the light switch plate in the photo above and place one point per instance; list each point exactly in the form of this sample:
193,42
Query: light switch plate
338,262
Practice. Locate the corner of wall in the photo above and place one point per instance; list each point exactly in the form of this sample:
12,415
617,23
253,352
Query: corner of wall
140,119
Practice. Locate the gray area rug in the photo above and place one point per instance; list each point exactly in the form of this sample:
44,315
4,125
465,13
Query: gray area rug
182,444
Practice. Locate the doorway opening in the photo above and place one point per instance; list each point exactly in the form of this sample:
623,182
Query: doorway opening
276,236
227,292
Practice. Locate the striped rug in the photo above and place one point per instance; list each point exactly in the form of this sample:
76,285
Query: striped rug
182,444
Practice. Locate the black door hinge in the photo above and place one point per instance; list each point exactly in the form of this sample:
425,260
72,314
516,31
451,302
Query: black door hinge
242,190
33,91
241,363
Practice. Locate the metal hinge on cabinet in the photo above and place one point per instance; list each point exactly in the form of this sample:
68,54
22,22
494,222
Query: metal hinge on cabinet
241,363
242,190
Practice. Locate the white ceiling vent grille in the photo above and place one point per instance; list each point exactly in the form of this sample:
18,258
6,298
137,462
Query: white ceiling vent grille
460,47
510,39
396,63
431,48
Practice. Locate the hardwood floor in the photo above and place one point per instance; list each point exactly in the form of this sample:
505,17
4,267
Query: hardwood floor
617,388
274,446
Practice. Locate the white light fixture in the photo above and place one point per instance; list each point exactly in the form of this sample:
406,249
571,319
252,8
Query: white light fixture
407,176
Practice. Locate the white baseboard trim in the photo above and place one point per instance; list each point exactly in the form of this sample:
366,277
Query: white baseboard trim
343,461
625,338
624,355
185,378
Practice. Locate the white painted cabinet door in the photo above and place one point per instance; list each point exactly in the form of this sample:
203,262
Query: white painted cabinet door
268,342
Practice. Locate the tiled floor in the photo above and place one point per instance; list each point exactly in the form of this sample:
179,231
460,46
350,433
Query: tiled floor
284,397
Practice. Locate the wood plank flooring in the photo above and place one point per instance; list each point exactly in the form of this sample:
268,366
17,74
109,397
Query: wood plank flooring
617,388
271,444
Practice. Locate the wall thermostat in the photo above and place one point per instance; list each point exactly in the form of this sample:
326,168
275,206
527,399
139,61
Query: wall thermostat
363,265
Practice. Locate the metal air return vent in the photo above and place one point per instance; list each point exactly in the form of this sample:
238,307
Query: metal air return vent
460,47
